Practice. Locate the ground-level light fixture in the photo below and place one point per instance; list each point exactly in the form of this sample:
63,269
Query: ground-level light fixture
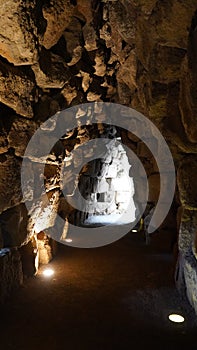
48,272
68,240
176,318
134,230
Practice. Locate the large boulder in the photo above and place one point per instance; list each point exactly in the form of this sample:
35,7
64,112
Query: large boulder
18,33
17,89
58,15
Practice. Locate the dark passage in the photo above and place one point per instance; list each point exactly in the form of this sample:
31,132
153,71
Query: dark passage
115,297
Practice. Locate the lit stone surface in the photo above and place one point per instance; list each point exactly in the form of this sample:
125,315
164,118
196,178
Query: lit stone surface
18,43
58,16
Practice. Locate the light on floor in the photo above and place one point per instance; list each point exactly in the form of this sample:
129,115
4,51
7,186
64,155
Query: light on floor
134,230
68,240
48,272
176,318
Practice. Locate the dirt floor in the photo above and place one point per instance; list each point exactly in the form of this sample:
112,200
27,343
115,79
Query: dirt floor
115,297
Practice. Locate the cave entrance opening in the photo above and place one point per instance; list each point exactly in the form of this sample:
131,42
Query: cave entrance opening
108,188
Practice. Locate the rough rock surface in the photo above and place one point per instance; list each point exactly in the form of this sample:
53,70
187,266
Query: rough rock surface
13,223
21,130
44,248
187,173
29,258
18,33
51,71
10,272
17,89
10,188
58,16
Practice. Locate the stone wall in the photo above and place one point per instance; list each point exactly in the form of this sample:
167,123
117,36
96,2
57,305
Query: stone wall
186,276
57,54
10,271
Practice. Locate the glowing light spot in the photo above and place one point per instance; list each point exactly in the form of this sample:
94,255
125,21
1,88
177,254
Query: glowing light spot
48,272
134,230
176,318
68,240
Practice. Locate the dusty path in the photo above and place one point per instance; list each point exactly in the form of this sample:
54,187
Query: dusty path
115,297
